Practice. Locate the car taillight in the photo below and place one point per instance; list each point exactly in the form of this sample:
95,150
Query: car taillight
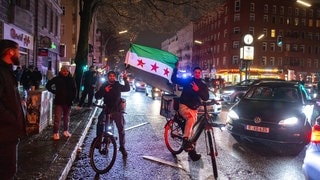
315,136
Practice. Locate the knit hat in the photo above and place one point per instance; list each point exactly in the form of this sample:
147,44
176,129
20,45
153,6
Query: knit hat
64,67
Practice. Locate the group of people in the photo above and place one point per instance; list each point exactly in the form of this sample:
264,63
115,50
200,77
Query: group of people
64,87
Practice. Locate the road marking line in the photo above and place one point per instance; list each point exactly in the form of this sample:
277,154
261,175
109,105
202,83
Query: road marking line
142,124
164,162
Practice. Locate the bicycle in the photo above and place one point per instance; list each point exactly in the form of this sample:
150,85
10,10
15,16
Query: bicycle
174,130
103,149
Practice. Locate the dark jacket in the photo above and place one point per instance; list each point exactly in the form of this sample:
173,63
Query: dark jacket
189,97
112,99
64,89
89,79
12,120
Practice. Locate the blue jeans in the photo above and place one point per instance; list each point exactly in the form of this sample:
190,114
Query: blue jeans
59,111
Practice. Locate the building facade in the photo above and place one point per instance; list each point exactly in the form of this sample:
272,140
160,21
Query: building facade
286,41
35,26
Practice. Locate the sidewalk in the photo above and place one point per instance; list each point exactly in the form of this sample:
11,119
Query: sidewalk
40,157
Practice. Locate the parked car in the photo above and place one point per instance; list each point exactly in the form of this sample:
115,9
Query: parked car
273,113
153,92
229,94
139,85
311,165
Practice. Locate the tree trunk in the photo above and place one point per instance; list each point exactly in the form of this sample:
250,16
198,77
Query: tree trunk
81,58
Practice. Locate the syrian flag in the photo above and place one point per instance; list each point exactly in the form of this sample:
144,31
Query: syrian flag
154,66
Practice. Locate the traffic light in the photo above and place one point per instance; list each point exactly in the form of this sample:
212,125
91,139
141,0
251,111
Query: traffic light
279,41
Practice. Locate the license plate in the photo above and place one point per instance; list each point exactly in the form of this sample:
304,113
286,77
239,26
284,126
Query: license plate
257,128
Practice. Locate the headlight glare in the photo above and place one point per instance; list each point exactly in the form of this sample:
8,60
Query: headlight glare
232,115
289,121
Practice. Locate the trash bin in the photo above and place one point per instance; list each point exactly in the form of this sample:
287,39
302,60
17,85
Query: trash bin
39,111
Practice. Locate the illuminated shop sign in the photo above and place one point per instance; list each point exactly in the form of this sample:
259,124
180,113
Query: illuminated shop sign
24,39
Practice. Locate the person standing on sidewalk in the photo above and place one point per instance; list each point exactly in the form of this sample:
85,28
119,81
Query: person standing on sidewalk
64,88
12,121
89,82
194,90
110,91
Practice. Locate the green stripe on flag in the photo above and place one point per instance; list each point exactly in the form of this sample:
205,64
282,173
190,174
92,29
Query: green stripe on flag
155,54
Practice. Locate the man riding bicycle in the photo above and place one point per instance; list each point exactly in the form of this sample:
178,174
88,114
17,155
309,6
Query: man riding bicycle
110,91
194,90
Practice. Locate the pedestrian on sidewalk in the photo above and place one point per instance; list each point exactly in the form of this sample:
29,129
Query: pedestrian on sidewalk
64,88
89,82
12,121
110,91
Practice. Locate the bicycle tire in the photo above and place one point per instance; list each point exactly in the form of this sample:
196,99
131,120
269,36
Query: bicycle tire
173,137
212,154
103,153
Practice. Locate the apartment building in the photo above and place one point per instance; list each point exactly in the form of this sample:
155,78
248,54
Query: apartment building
285,40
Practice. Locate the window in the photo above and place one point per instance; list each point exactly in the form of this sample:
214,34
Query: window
272,61
236,30
310,13
316,63
24,4
264,46
224,47
251,30
236,17
309,63
303,22
281,20
273,20
310,22
265,8
273,33
301,48
289,11
274,9
264,61
235,44
251,7
273,47
265,32
279,61
296,21
235,59
296,12
237,6
63,10
252,17
281,10
265,18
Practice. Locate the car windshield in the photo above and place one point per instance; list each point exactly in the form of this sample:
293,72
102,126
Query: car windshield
273,93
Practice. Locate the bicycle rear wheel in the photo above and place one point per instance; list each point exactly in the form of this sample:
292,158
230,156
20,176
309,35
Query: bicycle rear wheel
212,153
103,153
173,137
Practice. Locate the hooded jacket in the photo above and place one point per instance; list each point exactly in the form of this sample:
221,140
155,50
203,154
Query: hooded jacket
12,120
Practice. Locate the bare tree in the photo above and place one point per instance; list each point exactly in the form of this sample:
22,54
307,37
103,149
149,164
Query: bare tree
161,16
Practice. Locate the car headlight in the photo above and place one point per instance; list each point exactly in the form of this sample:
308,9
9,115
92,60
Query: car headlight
228,91
289,121
232,115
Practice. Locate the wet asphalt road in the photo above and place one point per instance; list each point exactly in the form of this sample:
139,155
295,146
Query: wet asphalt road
144,137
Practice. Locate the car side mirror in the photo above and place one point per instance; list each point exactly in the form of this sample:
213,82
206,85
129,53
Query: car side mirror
239,97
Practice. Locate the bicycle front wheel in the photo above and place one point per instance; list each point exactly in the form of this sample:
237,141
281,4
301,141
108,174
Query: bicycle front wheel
212,153
173,137
103,153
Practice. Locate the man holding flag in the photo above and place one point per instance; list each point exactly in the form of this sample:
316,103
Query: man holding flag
194,90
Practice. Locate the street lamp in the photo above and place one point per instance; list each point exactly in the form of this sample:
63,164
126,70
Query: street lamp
304,3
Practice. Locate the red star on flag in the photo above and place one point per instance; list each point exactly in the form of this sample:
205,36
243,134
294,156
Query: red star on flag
166,72
140,63
154,67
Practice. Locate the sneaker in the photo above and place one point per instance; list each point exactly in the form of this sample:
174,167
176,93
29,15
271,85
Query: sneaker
123,151
56,136
66,134
194,156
